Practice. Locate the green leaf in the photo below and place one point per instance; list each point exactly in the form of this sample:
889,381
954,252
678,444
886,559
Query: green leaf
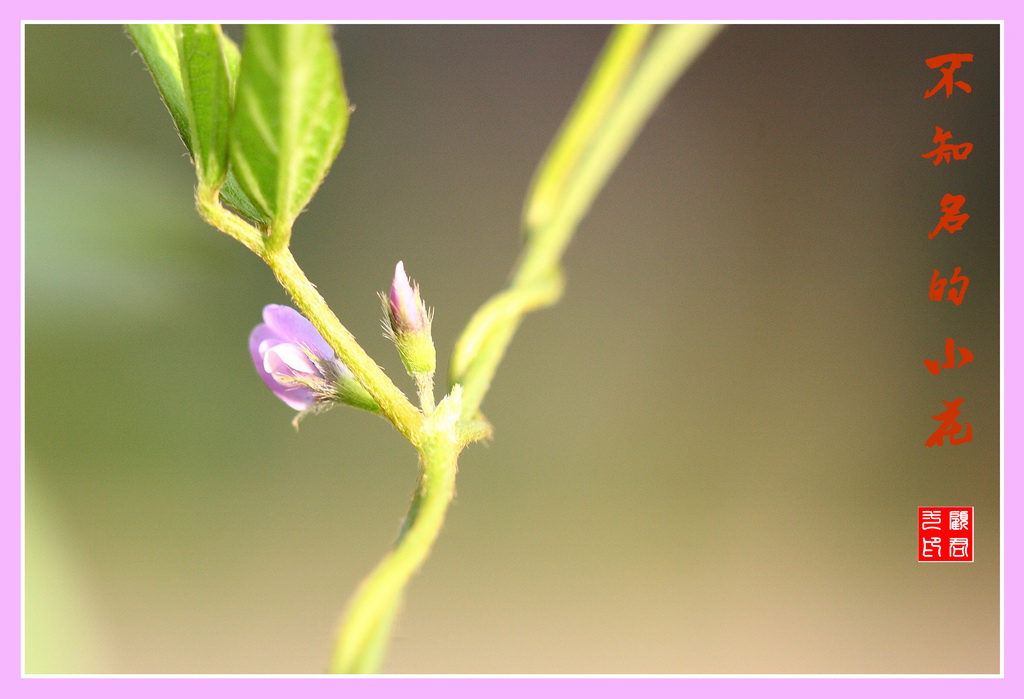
206,82
290,117
158,45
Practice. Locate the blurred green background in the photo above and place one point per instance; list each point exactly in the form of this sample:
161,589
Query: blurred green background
707,459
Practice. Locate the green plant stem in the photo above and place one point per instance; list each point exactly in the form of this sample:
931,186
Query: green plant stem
588,113
671,51
371,611
425,389
393,403
436,433
626,85
482,345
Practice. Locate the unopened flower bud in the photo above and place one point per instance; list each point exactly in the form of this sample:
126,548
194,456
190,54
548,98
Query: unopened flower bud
409,325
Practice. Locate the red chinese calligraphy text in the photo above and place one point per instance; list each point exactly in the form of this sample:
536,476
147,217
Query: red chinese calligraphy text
938,285
958,151
952,220
949,427
966,356
955,60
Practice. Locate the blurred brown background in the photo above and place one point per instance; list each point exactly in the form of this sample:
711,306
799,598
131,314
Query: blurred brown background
708,458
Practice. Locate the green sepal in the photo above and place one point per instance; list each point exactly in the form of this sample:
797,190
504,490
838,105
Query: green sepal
417,352
350,392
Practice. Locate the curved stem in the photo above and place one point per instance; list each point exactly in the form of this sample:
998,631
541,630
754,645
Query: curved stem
630,78
214,213
368,619
671,51
482,344
588,113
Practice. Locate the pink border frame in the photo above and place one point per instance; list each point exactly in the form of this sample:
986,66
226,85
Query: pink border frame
11,429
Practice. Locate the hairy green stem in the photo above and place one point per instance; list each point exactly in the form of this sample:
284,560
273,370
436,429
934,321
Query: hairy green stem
425,390
393,403
213,212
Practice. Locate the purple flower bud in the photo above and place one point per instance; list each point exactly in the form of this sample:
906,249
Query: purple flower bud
405,309
408,324
293,359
